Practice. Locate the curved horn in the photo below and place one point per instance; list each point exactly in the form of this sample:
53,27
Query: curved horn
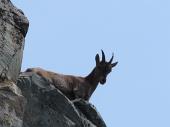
111,59
103,56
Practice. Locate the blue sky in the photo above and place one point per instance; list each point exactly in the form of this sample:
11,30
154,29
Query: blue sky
64,36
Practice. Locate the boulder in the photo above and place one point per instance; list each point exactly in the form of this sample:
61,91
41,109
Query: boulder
46,106
11,106
90,112
13,29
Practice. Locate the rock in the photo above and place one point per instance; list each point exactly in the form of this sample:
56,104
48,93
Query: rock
11,106
90,112
47,107
13,29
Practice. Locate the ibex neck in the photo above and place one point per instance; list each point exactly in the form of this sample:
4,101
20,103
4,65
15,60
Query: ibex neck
92,78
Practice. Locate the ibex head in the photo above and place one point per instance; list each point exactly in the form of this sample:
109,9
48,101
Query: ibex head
103,68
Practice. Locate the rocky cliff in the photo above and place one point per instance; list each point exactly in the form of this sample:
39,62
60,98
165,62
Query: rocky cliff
13,29
33,102
27,100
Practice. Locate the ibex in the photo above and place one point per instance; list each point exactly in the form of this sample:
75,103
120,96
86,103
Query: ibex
78,87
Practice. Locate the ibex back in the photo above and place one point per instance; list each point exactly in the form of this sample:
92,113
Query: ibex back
78,87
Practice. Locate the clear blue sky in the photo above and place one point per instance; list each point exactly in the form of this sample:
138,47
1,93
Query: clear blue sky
64,36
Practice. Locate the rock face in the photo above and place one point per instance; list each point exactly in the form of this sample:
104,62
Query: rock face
13,29
11,106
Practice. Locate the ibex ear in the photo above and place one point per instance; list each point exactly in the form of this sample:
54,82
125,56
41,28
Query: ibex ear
97,59
114,64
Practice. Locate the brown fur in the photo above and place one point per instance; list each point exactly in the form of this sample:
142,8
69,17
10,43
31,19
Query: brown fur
78,87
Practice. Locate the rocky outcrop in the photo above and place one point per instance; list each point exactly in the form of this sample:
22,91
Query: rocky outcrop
13,29
33,102
47,107
29,100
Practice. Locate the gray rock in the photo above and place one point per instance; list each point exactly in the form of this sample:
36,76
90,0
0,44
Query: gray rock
13,29
11,106
90,112
47,107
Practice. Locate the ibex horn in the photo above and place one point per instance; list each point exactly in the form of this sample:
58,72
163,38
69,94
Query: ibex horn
103,56
111,58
